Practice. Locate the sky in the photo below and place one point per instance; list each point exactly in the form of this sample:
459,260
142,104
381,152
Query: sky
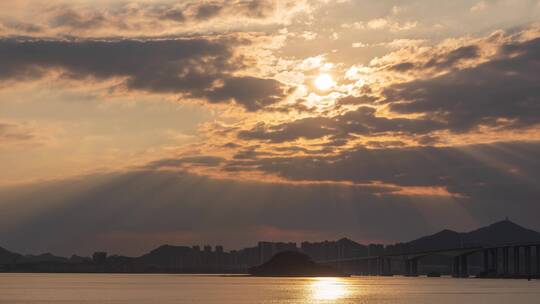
125,125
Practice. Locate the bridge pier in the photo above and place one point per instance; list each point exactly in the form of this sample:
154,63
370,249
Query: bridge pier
495,262
372,267
464,267
485,260
411,267
455,267
506,263
538,259
414,267
528,258
516,260
389,268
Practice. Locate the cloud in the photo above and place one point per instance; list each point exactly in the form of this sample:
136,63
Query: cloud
404,188
207,11
193,67
251,92
183,162
503,92
144,206
480,6
362,121
498,173
453,57
394,26
14,133
157,18
440,61
26,134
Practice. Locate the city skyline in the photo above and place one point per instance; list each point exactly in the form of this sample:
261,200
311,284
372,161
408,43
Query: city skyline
451,253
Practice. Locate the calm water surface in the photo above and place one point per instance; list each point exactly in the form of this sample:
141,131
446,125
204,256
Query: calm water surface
93,288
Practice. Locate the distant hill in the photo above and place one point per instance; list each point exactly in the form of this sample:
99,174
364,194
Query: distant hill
46,257
168,258
165,256
497,233
502,232
292,264
8,257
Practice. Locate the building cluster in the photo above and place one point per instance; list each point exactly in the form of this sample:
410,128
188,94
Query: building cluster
208,260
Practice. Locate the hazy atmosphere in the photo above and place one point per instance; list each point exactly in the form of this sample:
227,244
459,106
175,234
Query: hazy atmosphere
125,125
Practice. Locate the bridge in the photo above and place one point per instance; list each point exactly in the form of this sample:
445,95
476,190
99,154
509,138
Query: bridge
498,260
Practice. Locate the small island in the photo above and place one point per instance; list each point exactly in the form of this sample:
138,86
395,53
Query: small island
294,264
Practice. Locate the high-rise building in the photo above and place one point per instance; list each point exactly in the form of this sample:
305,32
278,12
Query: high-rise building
99,257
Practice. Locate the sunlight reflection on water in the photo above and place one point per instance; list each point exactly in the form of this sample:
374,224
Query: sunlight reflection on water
329,289
206,289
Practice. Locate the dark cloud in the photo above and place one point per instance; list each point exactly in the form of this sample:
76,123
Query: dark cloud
453,57
356,100
250,153
308,128
403,67
251,92
258,8
73,19
440,61
499,172
362,121
173,14
503,92
203,161
208,10
134,211
197,68
146,16
24,27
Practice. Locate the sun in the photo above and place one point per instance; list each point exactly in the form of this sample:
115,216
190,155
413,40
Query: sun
324,82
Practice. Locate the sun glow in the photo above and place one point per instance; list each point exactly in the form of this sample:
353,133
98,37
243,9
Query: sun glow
324,82
329,289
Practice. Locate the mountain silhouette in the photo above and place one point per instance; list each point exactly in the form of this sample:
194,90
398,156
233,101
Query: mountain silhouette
497,233
45,257
8,257
293,263
165,256
502,232
168,258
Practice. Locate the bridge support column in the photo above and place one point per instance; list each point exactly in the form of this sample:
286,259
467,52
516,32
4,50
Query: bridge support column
456,267
528,258
464,268
538,260
405,267
495,261
414,267
485,260
389,266
516,260
506,263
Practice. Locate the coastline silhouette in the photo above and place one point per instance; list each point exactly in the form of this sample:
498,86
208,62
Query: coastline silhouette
446,252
